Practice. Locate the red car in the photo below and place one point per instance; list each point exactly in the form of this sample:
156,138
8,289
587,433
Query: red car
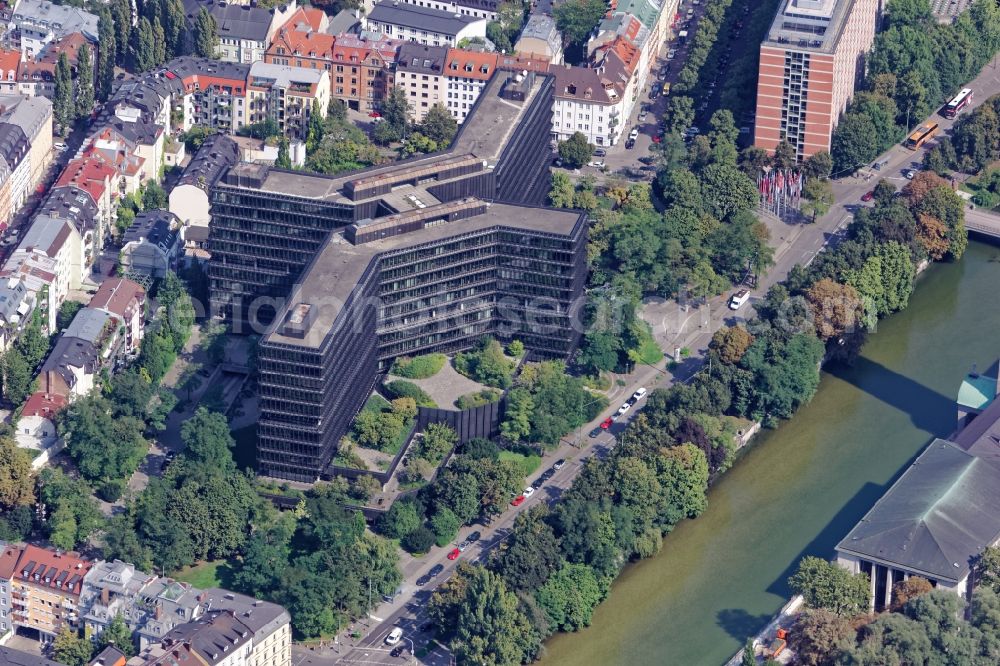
453,555
868,196
517,501
374,114
657,139
606,423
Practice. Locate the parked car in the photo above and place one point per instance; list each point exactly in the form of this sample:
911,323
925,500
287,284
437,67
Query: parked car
596,432
453,555
518,501
600,152
629,144
634,134
624,408
389,598
473,537
597,164
606,423
538,483
559,464
397,651
394,636
528,492
868,196
647,159
909,173
642,116
671,54
739,299
641,391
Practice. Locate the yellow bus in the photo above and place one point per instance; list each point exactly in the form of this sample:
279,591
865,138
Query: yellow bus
921,135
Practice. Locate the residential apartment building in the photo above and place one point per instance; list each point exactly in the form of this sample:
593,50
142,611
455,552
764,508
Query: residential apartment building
269,624
420,74
244,30
36,429
9,555
46,590
10,64
51,252
12,657
541,38
125,301
287,95
94,178
37,75
214,93
484,9
40,22
811,61
189,197
466,74
151,244
423,25
25,149
344,239
589,103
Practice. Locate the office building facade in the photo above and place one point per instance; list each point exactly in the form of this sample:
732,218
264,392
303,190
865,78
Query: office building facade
811,61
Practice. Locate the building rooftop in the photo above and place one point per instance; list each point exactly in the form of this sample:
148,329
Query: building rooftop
470,64
936,518
420,18
978,390
421,58
41,404
495,116
70,203
268,74
28,113
809,25
12,657
543,28
330,279
52,568
88,324
8,559
215,155
982,436
213,637
117,295
45,233
260,616
234,21
60,19
205,71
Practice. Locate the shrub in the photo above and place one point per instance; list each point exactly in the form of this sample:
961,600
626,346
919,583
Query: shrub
418,367
486,364
478,399
404,389
419,541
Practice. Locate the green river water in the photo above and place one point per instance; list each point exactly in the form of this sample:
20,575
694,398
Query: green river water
799,489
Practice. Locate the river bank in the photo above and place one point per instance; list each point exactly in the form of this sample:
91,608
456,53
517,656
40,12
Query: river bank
796,491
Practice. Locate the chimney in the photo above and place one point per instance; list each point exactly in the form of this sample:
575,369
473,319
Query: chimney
105,596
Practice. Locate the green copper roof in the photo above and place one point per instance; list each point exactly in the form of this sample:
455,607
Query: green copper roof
977,391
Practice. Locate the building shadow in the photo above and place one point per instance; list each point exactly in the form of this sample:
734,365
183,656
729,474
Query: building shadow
930,411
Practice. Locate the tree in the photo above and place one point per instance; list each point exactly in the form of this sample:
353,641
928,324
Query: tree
395,113
70,649
174,27
419,540
207,440
836,308
726,190
118,634
437,441
283,161
749,657
18,376
988,568
486,624
532,552
731,343
316,127
576,150
106,54
159,43
71,513
854,142
785,156
908,589
818,165
576,19
818,195
84,83
17,481
562,193
106,448
144,46
444,523
401,519
828,586
121,19
63,107
439,126
569,597
818,636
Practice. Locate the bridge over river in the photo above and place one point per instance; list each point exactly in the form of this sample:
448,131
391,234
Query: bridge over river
982,222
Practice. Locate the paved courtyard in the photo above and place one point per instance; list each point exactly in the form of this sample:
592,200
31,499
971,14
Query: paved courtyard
445,387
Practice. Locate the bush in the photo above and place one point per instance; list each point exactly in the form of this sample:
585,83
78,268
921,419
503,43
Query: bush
404,389
419,541
478,399
445,525
481,448
486,364
111,490
418,367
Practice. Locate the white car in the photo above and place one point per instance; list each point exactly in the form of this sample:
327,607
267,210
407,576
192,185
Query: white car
909,173
671,54
638,394
634,134
59,146
394,636
528,492
597,164
642,117
739,299
624,408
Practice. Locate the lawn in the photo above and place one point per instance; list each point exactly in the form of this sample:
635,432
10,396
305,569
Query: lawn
208,574
649,352
245,451
527,463
376,403
419,367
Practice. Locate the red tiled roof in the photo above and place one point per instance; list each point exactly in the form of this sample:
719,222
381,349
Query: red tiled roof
91,173
54,569
44,65
305,16
10,61
42,404
8,561
304,44
116,295
627,52
470,64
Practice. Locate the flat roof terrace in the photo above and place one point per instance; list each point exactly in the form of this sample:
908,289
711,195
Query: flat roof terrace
329,280
809,25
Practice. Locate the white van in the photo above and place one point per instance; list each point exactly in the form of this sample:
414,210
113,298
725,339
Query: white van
394,636
739,299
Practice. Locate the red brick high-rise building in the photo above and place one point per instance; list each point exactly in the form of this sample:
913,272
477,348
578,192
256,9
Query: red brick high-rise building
810,63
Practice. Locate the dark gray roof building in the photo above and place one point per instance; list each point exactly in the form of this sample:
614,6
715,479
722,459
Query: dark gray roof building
12,657
419,18
214,637
934,521
217,153
234,21
421,59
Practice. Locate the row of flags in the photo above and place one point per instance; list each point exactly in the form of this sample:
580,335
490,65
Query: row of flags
780,184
